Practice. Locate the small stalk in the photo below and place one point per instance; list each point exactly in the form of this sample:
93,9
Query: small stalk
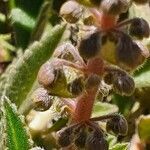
105,117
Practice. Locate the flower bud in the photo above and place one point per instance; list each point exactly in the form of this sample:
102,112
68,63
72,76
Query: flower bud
65,137
115,7
46,74
139,28
41,100
71,11
117,125
90,46
51,76
76,86
123,84
96,141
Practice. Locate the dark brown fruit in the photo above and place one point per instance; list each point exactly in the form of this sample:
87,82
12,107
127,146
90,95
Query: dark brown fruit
139,28
117,125
123,84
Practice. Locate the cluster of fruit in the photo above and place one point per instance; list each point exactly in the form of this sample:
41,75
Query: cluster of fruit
107,53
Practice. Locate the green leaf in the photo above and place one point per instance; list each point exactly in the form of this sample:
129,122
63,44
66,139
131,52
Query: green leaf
124,103
120,146
16,134
23,16
59,124
31,7
41,22
111,139
100,109
141,77
23,25
144,128
22,74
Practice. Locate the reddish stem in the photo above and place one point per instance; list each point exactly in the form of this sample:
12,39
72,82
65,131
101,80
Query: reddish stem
108,21
84,106
105,21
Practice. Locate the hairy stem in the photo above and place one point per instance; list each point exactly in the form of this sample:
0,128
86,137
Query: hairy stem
84,106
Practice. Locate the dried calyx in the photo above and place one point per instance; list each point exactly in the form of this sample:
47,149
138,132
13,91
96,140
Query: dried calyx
126,52
90,46
87,135
121,82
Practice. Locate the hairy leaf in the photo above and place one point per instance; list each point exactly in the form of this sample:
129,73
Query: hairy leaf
16,134
23,25
23,73
23,17
141,77
100,109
